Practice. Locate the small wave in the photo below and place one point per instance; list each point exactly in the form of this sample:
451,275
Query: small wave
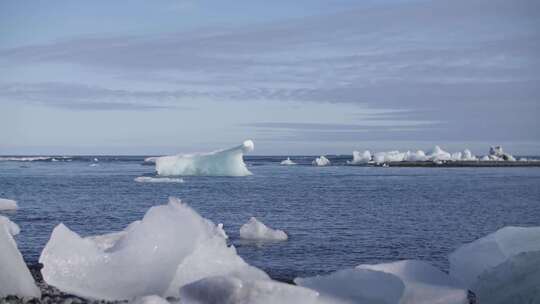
149,179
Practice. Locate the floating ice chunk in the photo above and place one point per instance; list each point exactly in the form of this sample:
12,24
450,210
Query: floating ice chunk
7,204
93,165
232,290
287,162
439,154
403,282
321,161
469,262
15,278
227,162
172,246
96,160
24,158
149,179
517,280
360,158
152,299
256,230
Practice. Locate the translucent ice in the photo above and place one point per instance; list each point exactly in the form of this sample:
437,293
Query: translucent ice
227,162
232,290
470,260
321,161
287,162
7,204
15,278
360,158
172,246
403,282
256,230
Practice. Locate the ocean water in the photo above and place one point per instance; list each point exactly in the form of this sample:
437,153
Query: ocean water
336,217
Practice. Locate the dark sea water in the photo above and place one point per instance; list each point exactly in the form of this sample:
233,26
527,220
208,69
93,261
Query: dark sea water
336,217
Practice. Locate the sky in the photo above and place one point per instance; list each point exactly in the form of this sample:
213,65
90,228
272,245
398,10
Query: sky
297,77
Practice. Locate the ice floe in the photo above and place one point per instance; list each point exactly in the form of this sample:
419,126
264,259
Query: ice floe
321,161
150,179
15,278
8,204
24,158
172,246
287,162
501,267
228,162
256,230
402,282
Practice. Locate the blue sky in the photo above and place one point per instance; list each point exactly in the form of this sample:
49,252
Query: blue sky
297,77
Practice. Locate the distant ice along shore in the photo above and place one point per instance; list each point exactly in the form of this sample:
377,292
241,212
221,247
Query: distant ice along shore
185,258
438,157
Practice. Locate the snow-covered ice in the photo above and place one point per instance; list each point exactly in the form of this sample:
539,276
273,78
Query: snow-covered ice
15,278
438,154
402,282
500,261
232,290
256,230
8,204
390,156
321,161
172,246
287,162
227,162
415,156
24,158
150,179
360,158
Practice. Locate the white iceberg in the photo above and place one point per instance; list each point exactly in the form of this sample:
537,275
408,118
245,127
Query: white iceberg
439,154
502,262
287,162
150,179
15,278
415,156
227,162
403,282
256,230
467,155
321,161
390,156
232,290
360,158
172,246
7,204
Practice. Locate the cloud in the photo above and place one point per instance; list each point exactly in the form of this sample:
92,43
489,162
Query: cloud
468,64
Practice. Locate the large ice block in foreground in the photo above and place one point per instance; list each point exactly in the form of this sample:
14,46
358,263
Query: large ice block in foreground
256,230
503,262
231,290
170,247
7,204
321,161
403,282
228,162
15,278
